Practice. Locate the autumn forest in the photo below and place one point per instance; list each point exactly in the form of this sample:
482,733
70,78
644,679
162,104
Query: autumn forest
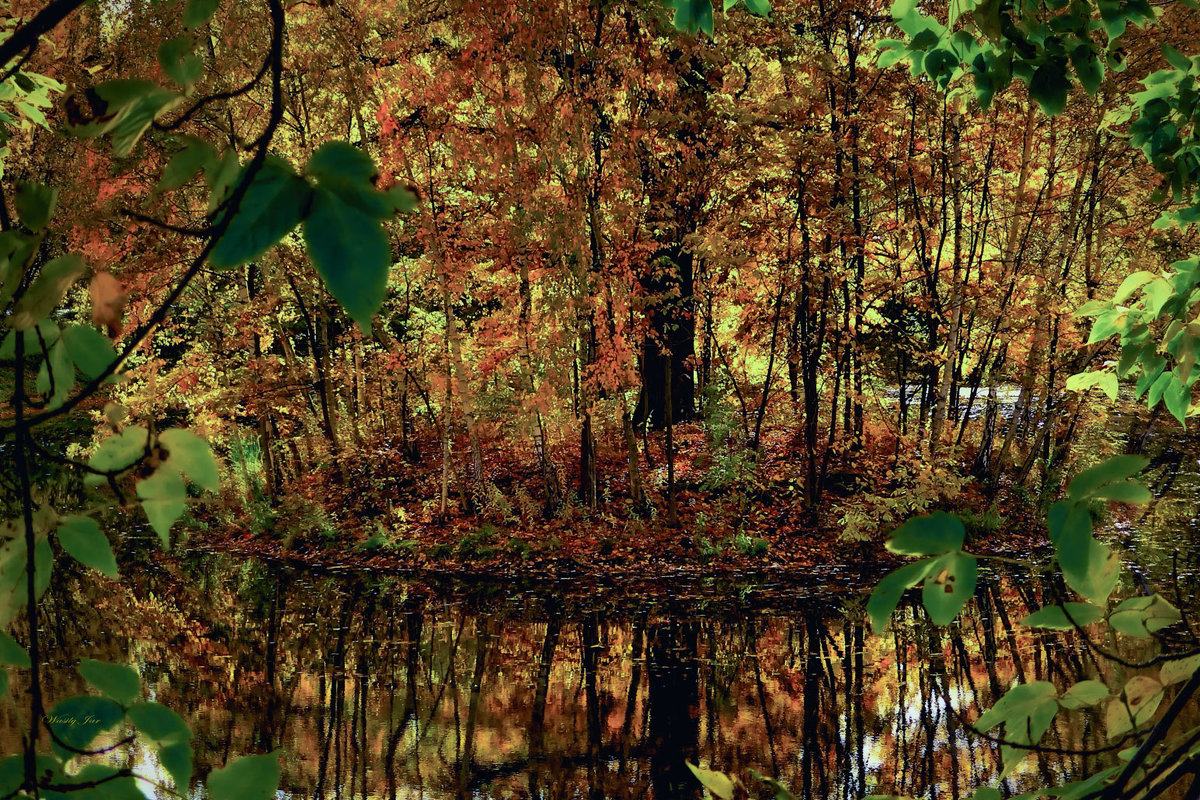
632,326
762,261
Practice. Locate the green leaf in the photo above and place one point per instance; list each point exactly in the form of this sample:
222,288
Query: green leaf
349,173
1018,703
157,723
941,66
1178,398
220,176
76,721
341,163
1088,68
1158,388
717,783
47,291
1026,712
1089,567
1143,695
16,250
33,113
1107,381
171,737
192,456
957,8
91,351
272,207
1089,787
83,540
132,105
1129,492
1131,284
115,681
198,12
35,204
247,778
1117,468
13,561
1176,59
1058,618
61,368
178,59
1083,694
195,156
891,51
401,198
11,653
761,8
97,782
12,773
1141,616
351,254
12,579
887,594
121,451
1178,670
1048,87
1105,325
932,534
693,15
1108,385
176,759
949,585
1082,381
1156,295
163,497
43,564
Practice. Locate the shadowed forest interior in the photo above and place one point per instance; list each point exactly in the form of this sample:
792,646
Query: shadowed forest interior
436,399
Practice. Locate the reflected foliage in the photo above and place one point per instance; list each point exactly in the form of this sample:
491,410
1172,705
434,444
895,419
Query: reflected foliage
379,687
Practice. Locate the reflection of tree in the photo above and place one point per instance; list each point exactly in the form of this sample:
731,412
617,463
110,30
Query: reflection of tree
414,621
811,753
537,716
378,691
487,629
674,696
329,714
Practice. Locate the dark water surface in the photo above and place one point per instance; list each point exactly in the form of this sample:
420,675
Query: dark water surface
378,688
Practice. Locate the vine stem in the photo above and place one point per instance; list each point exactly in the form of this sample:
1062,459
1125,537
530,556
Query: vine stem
218,230
1156,735
22,458
27,36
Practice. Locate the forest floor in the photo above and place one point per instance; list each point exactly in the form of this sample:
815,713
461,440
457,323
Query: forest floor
735,519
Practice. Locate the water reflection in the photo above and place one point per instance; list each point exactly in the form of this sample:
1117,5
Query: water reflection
374,689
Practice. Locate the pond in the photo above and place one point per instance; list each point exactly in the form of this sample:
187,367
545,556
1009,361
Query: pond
374,687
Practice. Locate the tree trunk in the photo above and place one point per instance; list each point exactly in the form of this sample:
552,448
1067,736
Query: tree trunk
956,300
670,345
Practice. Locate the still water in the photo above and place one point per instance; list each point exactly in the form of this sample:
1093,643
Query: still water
374,687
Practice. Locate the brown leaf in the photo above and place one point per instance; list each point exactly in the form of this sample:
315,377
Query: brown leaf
108,302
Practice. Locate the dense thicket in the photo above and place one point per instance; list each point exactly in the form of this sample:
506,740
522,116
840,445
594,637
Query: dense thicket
624,229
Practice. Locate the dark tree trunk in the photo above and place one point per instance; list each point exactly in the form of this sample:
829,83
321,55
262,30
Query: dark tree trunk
670,346
674,696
